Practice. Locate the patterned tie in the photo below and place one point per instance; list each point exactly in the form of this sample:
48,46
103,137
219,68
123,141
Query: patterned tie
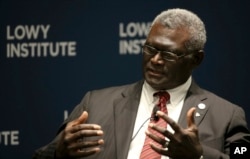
147,152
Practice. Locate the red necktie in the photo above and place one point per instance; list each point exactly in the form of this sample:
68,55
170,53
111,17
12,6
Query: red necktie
147,152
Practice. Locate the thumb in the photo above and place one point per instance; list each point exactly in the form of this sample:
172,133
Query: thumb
190,117
82,119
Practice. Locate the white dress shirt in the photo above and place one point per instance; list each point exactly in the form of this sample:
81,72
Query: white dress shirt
146,105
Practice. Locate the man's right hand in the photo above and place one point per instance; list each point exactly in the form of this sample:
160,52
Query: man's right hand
73,141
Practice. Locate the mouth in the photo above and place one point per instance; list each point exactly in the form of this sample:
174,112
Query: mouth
155,73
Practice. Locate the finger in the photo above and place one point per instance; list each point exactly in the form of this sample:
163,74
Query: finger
160,150
156,138
157,128
170,121
163,131
77,136
79,127
88,133
190,117
86,144
81,119
85,152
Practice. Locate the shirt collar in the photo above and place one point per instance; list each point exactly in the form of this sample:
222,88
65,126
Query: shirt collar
176,94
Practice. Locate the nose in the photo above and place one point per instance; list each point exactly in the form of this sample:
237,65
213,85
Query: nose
157,59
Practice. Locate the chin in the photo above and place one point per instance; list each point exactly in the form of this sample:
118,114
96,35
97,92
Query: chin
156,83
160,83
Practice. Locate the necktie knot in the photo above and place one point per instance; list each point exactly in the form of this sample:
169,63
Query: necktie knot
163,99
162,94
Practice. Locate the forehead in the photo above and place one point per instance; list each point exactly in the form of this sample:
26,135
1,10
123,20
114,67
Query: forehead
163,37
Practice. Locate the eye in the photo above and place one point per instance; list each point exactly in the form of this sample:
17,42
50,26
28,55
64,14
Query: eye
152,50
149,50
168,55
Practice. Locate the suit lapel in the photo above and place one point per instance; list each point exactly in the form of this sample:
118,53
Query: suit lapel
125,111
195,98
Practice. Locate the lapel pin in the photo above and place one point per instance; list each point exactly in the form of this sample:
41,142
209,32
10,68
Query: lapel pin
201,106
197,114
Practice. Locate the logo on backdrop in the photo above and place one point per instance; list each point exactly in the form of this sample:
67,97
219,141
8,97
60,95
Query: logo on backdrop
132,37
23,42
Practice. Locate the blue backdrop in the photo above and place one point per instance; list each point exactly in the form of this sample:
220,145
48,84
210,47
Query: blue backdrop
53,51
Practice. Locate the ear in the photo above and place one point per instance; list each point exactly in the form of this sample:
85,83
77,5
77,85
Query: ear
198,57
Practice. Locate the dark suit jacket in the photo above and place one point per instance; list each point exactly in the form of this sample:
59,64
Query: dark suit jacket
220,122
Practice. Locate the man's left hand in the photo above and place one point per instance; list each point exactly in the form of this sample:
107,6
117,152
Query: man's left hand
183,143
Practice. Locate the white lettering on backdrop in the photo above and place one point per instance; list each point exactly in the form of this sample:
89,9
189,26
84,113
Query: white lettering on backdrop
32,48
9,138
132,37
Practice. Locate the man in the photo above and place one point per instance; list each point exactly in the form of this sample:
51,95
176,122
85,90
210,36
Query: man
111,123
